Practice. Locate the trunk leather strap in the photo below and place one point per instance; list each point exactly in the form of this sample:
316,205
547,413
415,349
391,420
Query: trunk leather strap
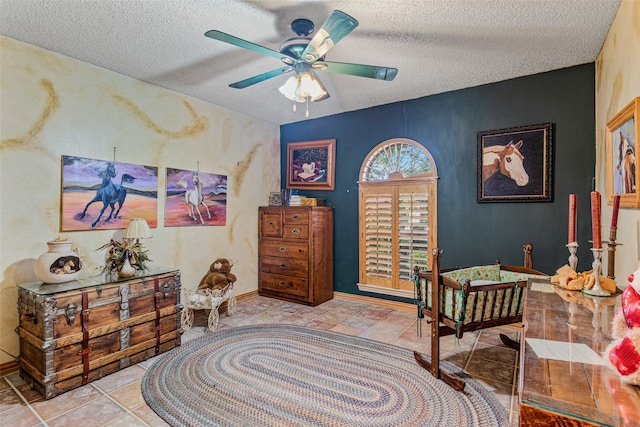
159,296
85,337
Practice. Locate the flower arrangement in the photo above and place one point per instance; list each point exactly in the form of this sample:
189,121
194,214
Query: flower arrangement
121,254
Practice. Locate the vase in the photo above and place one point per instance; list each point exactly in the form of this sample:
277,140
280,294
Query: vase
127,270
60,264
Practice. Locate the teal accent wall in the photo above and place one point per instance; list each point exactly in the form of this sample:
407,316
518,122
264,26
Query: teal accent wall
447,124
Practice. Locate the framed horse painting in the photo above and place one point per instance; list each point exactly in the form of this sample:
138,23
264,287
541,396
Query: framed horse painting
622,158
99,194
195,198
515,164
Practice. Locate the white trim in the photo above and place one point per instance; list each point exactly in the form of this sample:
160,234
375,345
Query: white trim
385,291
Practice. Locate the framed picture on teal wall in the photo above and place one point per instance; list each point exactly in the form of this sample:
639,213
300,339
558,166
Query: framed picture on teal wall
311,165
622,158
515,164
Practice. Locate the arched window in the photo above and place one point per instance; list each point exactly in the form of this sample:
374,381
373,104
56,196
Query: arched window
397,215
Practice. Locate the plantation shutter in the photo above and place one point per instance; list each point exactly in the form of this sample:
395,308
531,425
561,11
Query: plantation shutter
395,232
413,231
378,236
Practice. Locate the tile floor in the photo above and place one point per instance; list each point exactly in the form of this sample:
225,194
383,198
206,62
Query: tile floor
116,400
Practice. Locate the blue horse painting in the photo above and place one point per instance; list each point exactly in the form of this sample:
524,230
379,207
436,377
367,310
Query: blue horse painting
109,194
103,194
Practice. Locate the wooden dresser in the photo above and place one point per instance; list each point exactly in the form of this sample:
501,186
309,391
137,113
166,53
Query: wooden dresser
296,253
77,332
563,378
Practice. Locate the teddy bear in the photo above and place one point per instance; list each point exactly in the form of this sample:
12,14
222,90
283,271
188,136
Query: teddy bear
624,353
218,276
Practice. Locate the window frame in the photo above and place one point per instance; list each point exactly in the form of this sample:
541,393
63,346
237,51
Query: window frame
395,185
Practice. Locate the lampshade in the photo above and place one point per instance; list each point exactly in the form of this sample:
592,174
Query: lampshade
289,88
137,229
304,87
317,91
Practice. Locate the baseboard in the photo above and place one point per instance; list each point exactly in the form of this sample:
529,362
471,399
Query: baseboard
247,295
7,368
238,298
396,305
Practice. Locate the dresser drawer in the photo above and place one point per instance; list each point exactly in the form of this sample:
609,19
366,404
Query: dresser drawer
296,231
284,266
293,216
270,223
284,248
289,285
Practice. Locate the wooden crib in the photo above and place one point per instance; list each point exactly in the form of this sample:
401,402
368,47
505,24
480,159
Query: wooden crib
468,299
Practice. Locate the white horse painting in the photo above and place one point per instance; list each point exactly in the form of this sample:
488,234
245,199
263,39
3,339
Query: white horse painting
193,198
507,160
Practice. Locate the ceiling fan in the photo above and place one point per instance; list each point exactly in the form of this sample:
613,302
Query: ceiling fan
303,55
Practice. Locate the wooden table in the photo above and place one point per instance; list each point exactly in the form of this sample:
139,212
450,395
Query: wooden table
561,324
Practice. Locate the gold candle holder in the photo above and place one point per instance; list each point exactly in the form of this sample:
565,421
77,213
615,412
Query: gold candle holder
611,248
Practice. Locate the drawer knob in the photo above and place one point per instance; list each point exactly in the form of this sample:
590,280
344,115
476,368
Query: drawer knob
296,231
282,284
283,266
296,217
282,249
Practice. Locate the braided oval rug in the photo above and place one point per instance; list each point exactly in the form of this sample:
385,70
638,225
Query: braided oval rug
286,375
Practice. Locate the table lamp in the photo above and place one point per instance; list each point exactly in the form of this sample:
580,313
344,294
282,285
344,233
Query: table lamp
137,229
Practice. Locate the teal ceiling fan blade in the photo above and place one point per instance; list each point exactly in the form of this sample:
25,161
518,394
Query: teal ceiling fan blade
260,78
236,41
370,71
337,25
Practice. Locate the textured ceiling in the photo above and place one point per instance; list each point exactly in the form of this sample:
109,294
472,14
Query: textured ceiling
437,45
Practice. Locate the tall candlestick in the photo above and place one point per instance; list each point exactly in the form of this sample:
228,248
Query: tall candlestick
595,220
596,289
616,208
572,217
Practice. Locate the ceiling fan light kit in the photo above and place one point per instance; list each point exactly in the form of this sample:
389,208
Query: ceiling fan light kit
304,87
303,55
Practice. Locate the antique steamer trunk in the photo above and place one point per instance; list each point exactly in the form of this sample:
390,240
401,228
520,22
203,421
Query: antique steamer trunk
77,332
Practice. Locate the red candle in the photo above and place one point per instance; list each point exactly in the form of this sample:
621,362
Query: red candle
572,217
616,208
595,219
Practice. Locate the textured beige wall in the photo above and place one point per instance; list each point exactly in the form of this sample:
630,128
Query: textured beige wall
617,84
52,105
